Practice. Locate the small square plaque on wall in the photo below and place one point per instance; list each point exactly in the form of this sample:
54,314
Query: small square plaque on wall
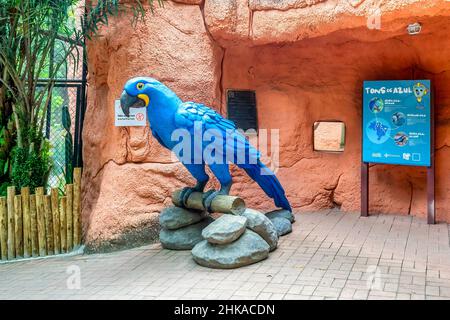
137,117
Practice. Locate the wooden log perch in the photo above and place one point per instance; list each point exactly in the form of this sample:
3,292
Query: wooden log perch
220,204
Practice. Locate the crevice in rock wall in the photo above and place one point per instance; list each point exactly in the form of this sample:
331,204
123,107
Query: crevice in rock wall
310,202
332,190
250,20
442,147
221,87
169,22
285,5
297,162
104,165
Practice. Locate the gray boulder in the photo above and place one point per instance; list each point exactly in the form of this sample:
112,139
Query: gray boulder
184,238
175,217
259,223
282,225
225,229
282,213
248,249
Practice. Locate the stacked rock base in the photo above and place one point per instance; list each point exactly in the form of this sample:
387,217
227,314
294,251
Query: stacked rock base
181,229
230,241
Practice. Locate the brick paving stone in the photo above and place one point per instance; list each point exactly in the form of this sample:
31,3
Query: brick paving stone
329,255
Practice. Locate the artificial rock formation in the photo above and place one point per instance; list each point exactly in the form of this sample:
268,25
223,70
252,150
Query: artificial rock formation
306,61
225,241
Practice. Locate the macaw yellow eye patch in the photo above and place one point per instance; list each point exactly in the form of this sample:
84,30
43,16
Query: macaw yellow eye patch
145,98
140,86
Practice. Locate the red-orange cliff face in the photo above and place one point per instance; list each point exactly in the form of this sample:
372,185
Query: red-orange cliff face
306,60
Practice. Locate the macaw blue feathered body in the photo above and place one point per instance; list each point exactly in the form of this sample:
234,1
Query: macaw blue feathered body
167,113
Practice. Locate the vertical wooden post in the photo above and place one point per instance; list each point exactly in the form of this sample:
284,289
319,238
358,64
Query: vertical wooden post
25,193
49,224
41,221
63,223
364,189
76,206
34,227
11,192
18,225
3,229
69,214
56,220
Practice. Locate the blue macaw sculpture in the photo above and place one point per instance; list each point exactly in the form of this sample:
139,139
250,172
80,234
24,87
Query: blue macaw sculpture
167,113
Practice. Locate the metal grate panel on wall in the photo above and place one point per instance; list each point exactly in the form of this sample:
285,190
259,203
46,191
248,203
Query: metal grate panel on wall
241,107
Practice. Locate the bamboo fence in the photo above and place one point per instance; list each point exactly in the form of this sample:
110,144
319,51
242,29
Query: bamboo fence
37,225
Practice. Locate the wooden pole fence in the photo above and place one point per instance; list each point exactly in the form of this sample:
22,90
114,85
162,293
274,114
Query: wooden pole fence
34,227
25,193
40,224
3,228
41,221
76,207
10,193
49,225
18,226
69,212
56,220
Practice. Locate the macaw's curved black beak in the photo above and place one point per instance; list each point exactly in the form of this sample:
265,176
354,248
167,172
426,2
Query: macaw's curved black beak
127,102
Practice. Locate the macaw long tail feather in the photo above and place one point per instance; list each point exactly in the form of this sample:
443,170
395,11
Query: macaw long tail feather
267,180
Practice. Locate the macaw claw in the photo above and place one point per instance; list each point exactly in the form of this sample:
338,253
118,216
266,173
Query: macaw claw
185,193
208,197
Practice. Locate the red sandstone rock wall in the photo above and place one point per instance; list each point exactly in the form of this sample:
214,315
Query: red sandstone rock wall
305,59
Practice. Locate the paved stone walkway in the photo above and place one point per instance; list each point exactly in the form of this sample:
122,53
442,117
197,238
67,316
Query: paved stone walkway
329,255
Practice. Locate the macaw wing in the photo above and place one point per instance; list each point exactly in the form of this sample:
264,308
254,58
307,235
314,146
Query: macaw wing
235,145
190,112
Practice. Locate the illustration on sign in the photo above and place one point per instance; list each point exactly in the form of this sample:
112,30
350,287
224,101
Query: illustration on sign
397,122
137,117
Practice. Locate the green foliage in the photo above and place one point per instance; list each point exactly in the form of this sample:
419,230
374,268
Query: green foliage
31,168
97,15
37,38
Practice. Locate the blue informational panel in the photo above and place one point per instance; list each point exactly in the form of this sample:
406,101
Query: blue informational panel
397,122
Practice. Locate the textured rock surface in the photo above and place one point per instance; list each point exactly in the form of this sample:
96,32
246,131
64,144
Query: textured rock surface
225,229
184,238
249,248
311,59
175,217
128,177
282,225
262,225
281,214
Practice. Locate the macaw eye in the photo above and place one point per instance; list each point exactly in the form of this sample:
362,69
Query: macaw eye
140,86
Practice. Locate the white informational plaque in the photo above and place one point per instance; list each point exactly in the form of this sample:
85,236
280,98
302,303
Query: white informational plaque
137,117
